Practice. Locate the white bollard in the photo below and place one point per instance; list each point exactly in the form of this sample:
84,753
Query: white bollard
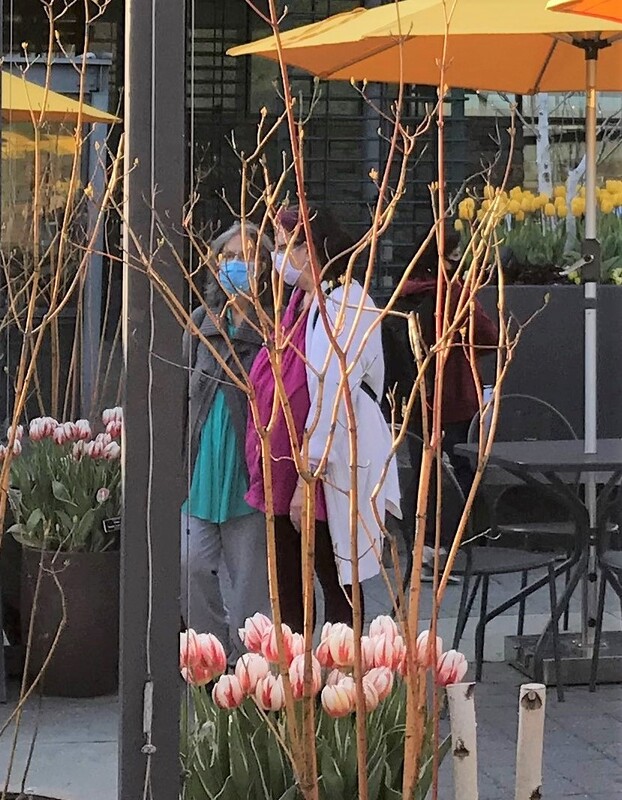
531,710
463,739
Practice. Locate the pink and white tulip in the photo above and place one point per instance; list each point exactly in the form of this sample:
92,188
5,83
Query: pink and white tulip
114,428
384,626
427,654
322,653
253,631
83,430
341,645
227,692
19,432
451,668
297,676
213,654
189,650
381,679
111,452
368,649
372,699
41,428
338,700
269,646
389,652
249,670
335,677
269,693
112,415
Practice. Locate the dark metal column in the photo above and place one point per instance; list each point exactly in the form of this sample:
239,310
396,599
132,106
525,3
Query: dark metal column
149,654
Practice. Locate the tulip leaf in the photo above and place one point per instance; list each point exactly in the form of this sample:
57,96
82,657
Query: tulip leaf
426,773
331,780
60,492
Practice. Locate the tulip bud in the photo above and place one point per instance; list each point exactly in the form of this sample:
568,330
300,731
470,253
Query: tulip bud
111,451
19,432
368,649
297,676
323,655
426,655
197,676
389,653
227,693
270,694
381,679
451,668
213,655
549,210
102,494
114,428
17,448
341,646
269,646
36,429
384,625
189,651
3,452
371,696
338,701
59,436
83,429
297,645
249,670
252,632
112,415
335,677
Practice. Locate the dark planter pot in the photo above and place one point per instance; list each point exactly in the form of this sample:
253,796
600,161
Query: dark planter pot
85,660
548,362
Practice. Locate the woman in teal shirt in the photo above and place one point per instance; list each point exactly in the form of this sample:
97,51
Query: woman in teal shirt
217,525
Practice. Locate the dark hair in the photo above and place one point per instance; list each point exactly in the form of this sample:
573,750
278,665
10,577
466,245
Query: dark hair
332,244
428,262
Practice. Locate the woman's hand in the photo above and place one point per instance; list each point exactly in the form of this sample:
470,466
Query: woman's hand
295,507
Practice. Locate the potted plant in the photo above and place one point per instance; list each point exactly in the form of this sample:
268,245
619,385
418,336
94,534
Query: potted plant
65,499
541,236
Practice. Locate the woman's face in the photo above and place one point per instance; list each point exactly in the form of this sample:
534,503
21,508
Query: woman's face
291,260
237,250
453,259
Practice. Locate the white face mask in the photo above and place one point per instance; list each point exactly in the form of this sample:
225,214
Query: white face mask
285,268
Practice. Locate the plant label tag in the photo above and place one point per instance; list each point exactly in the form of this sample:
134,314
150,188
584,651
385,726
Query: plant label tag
112,525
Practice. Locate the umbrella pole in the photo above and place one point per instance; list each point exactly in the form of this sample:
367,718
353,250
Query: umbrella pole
591,252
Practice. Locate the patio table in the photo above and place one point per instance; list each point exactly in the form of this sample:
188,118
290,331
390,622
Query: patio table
548,464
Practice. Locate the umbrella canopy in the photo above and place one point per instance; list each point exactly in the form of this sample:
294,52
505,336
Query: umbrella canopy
506,46
21,99
607,9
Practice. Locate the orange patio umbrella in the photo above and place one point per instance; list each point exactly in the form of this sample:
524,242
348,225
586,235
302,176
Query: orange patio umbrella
607,9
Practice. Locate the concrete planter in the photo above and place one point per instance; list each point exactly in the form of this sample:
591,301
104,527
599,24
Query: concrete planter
548,362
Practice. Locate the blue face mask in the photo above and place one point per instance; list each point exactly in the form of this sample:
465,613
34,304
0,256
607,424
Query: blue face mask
234,276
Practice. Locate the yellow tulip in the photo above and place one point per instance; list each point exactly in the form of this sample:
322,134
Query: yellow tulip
480,214
541,200
559,191
489,192
559,201
606,205
562,211
516,193
485,205
458,225
527,204
466,209
617,199
520,216
549,210
582,191
513,207
577,206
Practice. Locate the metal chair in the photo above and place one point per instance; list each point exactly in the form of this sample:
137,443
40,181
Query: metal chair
527,418
477,560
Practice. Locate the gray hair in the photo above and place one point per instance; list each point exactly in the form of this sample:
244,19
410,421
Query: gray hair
214,295
248,229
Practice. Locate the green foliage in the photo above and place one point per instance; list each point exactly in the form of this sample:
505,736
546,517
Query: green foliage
54,499
239,754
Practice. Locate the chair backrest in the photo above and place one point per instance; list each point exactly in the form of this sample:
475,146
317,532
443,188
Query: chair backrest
452,496
524,418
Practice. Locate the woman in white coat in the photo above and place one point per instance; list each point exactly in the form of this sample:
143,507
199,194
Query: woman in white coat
313,381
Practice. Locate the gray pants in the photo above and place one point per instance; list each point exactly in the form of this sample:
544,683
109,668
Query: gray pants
241,544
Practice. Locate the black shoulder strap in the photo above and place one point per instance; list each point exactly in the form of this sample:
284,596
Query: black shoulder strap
316,316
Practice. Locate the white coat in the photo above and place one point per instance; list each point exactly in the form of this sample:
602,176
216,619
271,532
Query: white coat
372,432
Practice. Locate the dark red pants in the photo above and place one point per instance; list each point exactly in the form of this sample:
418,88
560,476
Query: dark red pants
337,598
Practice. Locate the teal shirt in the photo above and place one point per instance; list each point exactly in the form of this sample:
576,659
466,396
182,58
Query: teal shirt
219,479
